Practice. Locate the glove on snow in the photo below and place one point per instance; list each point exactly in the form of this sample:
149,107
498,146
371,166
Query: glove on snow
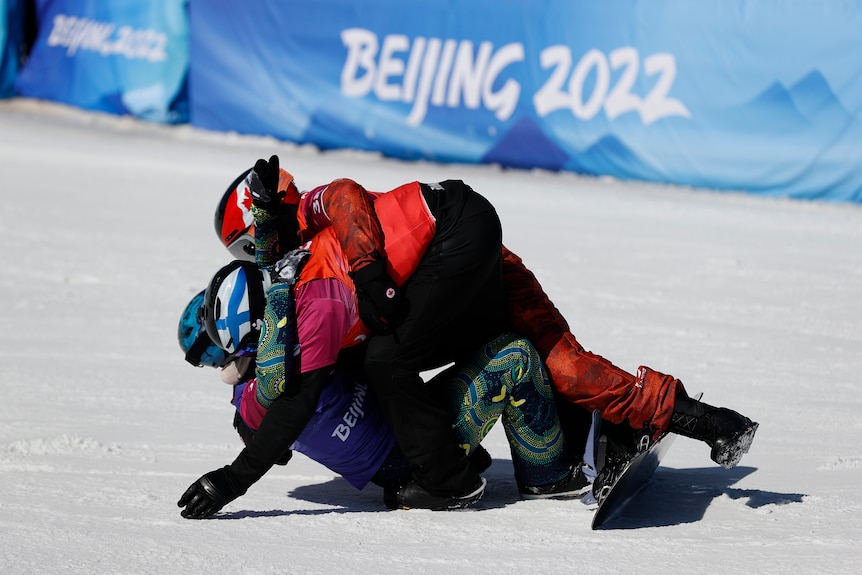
381,302
206,496
262,184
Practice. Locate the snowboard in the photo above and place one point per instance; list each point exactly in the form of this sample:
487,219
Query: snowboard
628,478
626,475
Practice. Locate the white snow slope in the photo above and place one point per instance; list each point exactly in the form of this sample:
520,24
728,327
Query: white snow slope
106,232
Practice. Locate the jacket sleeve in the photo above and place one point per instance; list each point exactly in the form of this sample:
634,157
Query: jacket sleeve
266,238
348,208
531,313
287,417
322,317
275,233
275,360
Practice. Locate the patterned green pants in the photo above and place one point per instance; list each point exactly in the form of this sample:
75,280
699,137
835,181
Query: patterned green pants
507,380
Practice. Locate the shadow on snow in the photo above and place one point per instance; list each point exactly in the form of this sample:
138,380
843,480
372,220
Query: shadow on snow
672,497
678,496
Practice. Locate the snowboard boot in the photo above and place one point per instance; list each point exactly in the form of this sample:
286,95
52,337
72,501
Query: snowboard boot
480,460
614,449
574,484
728,433
414,496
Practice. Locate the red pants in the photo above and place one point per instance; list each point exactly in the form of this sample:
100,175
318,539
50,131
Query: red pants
644,401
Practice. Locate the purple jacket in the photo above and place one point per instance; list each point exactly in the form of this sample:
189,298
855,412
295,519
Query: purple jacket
347,433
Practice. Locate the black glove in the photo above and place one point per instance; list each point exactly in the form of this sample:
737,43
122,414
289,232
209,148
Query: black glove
381,303
262,184
206,496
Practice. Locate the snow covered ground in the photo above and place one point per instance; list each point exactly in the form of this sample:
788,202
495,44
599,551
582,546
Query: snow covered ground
106,232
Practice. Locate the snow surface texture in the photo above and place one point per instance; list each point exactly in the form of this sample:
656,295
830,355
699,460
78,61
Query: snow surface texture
106,233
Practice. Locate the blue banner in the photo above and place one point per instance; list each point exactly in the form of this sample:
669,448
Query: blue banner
753,95
10,25
121,57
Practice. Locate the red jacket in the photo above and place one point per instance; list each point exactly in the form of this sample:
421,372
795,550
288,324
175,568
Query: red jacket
397,224
330,314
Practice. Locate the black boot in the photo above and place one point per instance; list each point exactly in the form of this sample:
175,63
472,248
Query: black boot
480,460
414,496
574,484
728,433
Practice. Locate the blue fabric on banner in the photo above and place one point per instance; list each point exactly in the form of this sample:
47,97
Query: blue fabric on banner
10,27
5,83
116,56
742,95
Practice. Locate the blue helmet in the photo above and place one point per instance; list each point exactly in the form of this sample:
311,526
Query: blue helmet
234,305
194,340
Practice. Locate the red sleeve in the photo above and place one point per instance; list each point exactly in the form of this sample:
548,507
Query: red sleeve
531,312
250,409
348,208
325,311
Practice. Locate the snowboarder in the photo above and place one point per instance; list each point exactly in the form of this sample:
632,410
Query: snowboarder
347,433
647,401
446,239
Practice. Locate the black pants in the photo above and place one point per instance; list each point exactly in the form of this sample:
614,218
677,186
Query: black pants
455,305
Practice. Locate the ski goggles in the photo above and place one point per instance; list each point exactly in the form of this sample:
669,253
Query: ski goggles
243,248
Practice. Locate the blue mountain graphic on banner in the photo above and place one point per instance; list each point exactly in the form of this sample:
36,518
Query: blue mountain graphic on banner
526,146
609,155
774,108
816,100
808,106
